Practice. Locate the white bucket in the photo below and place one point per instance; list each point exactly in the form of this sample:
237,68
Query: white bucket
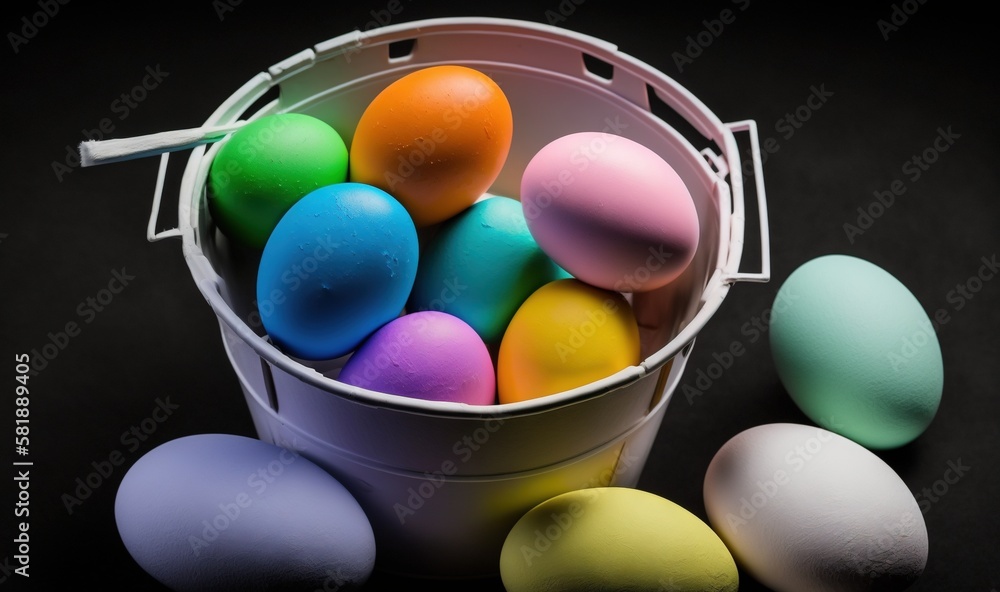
442,483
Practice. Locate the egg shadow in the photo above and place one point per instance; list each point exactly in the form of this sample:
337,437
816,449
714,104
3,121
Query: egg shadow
750,584
902,459
386,581
777,406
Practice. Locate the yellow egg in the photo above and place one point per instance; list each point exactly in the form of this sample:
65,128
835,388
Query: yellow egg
614,538
566,334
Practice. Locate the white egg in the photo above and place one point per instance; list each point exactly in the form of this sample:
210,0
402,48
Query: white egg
803,508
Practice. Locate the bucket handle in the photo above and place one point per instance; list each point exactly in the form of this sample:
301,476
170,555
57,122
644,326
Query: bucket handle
151,234
764,275
95,152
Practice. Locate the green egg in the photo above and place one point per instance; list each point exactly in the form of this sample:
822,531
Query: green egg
265,167
856,351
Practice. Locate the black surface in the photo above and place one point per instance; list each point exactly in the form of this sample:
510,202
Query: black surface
63,237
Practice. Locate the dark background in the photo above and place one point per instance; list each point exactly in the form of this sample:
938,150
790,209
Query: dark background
63,236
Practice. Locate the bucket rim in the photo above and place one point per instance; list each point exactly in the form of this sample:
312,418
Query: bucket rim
300,436
692,109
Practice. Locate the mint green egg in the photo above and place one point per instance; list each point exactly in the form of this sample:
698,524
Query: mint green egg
481,265
856,351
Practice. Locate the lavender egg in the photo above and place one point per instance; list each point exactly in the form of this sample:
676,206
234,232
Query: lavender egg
427,355
226,512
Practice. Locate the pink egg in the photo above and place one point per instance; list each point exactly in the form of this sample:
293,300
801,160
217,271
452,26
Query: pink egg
426,355
610,211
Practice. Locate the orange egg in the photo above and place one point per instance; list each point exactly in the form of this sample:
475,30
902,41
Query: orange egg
434,139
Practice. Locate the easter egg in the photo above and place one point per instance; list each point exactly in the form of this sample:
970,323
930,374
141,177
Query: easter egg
610,211
266,166
339,265
856,351
481,266
426,355
804,508
436,139
566,334
230,513
606,539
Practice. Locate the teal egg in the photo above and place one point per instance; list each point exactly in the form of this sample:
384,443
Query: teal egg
856,351
481,265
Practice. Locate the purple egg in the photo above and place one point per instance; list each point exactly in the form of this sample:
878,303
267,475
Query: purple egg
229,513
427,355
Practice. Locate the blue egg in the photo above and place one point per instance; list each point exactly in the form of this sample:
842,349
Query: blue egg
481,265
338,265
